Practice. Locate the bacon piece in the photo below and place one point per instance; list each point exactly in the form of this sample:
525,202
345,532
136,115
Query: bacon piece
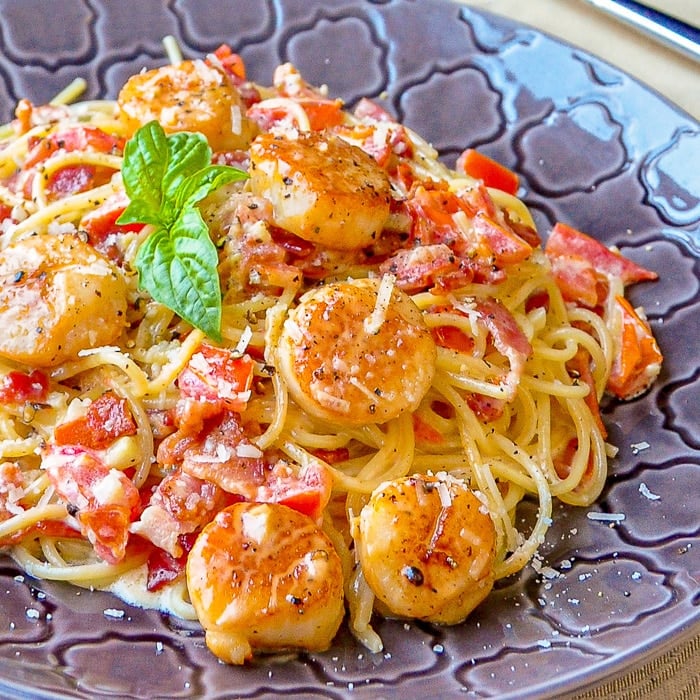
105,500
180,505
565,241
507,337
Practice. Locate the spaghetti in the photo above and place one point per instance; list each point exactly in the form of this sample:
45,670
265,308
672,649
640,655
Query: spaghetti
399,361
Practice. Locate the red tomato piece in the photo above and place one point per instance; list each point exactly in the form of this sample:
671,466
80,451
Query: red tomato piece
102,221
508,248
217,375
638,362
18,387
107,418
80,138
489,171
453,338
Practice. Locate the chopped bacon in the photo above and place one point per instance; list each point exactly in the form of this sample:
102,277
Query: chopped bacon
106,419
638,360
421,267
333,456
508,338
164,568
218,376
367,109
226,457
565,241
20,387
180,505
580,367
105,500
486,408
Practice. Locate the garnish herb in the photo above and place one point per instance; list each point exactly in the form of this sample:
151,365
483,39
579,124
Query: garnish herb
165,176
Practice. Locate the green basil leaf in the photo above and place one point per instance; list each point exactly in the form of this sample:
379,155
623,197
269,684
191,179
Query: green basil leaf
164,177
206,181
146,161
188,154
179,269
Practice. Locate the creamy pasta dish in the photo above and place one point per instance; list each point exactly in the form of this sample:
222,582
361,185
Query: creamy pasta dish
267,363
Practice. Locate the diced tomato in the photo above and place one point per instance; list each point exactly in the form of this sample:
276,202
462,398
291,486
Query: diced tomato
339,454
5,211
453,338
79,138
492,173
19,387
321,113
537,300
565,241
100,222
231,61
639,359
107,418
217,375
307,492
425,432
508,248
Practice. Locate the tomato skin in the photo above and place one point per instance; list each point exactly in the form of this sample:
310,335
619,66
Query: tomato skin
491,172
18,387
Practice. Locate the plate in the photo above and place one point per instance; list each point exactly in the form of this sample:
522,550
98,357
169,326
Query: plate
595,149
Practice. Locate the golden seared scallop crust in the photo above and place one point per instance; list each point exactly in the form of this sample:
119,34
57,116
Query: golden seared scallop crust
357,352
58,296
188,96
427,545
322,188
262,576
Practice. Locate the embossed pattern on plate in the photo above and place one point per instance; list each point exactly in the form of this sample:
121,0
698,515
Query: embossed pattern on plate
596,149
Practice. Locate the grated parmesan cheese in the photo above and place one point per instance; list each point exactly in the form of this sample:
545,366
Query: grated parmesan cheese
374,321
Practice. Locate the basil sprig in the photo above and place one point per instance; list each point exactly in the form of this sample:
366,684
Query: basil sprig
165,176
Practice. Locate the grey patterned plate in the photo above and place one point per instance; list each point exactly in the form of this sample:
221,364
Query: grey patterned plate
597,150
